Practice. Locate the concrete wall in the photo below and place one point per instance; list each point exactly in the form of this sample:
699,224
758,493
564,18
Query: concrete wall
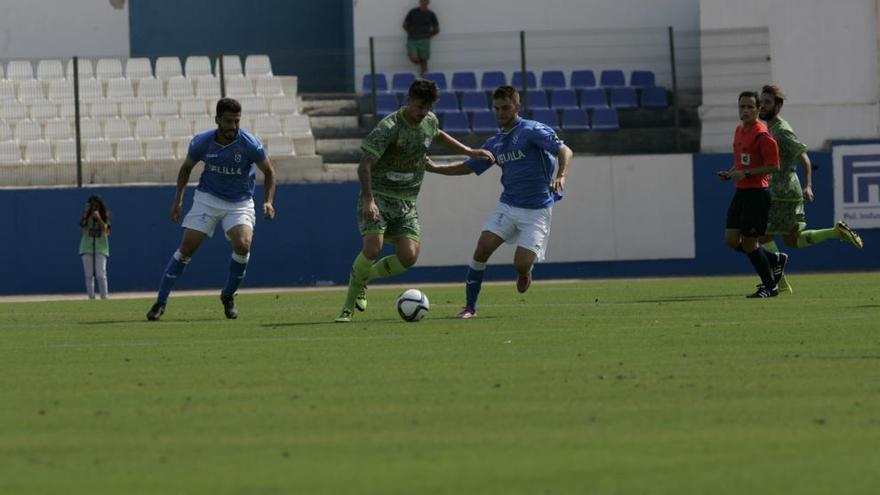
53,29
824,56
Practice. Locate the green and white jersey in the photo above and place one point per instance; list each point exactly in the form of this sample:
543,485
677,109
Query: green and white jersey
785,185
400,149
94,245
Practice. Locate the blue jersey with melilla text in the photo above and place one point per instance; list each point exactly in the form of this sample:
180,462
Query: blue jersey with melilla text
527,157
230,171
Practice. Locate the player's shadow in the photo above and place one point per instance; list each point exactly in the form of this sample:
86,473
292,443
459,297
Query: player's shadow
301,324
691,298
865,306
146,322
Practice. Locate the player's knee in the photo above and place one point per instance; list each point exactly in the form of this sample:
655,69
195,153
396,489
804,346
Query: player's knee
407,259
371,252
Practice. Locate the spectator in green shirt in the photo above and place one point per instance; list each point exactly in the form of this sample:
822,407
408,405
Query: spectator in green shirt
94,245
420,25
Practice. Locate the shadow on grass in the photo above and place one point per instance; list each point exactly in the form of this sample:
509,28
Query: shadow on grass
674,299
145,321
865,306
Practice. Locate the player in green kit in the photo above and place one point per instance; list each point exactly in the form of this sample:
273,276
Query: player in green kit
786,216
391,170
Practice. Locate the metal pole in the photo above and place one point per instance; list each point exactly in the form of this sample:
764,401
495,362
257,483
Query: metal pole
524,94
76,115
676,117
222,77
373,81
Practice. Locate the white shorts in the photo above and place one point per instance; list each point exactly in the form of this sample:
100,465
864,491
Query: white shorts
530,229
208,209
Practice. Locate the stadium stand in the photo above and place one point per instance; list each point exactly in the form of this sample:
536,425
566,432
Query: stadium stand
492,79
574,119
455,123
605,119
517,82
401,81
464,81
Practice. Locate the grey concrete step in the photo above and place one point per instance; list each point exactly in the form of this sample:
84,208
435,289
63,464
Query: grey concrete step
322,122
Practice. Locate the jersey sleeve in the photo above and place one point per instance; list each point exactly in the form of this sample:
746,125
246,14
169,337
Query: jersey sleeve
258,151
380,137
478,165
196,151
789,144
434,21
769,149
545,138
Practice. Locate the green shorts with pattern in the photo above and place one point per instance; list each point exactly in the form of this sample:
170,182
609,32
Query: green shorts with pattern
397,218
786,216
422,48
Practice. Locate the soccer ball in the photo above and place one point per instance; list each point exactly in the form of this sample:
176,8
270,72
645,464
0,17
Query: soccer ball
413,305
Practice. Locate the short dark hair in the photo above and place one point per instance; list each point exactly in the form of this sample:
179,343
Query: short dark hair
423,89
230,105
776,92
506,92
750,94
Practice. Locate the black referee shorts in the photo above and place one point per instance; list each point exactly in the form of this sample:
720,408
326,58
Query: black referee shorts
749,211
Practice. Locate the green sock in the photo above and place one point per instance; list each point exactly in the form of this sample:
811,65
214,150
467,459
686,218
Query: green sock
386,267
771,246
811,237
360,270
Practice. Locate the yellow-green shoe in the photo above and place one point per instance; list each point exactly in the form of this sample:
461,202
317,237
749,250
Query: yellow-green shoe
344,316
849,235
360,302
784,286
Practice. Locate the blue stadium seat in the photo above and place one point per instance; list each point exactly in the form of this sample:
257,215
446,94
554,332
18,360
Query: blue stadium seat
472,101
492,79
401,82
593,98
605,119
537,99
381,83
641,79
552,79
484,122
612,79
386,103
574,119
464,81
516,81
654,97
623,98
547,117
447,102
583,79
564,98
437,77
455,123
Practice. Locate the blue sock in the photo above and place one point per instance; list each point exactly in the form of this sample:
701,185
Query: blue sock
473,283
237,267
173,271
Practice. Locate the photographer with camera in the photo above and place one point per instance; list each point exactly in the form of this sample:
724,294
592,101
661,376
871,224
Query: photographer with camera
94,246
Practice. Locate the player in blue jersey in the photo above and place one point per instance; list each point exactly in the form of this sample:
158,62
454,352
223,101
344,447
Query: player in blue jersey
225,195
533,163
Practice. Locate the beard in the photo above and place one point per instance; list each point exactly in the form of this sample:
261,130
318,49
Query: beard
768,115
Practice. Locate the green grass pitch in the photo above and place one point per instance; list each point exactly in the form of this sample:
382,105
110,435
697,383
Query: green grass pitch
613,387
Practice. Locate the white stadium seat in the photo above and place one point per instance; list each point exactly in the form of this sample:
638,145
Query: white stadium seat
2,72
7,90
43,110
168,67
177,128
90,90
257,65
67,109
38,152
5,131
193,107
269,86
297,126
163,108
208,87
160,150
132,109
60,89
48,70
283,105
280,146
181,147
179,87
197,66
118,88
13,110
19,70
98,150
150,87
58,129
27,130
85,69
10,152
203,123
138,68
254,105
91,129
108,68
30,90
147,128
129,149
65,150
239,86
231,66
103,108
116,129
267,125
